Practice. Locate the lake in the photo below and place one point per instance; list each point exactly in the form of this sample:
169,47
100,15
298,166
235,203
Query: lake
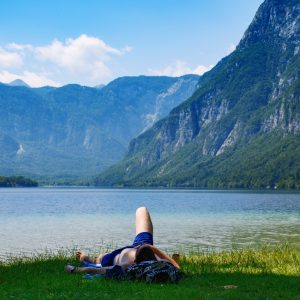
33,220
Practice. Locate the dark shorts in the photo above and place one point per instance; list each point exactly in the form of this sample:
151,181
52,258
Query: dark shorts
140,239
143,238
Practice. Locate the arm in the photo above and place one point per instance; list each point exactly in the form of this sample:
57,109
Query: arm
91,270
163,256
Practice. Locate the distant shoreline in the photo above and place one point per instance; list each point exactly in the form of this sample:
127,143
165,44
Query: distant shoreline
293,191
17,181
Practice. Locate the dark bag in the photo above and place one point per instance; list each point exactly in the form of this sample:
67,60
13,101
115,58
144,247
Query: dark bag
115,272
153,271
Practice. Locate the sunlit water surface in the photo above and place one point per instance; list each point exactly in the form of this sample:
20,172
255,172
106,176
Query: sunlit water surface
33,220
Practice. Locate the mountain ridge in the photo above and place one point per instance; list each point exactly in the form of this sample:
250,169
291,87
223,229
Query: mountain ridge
18,82
76,130
252,92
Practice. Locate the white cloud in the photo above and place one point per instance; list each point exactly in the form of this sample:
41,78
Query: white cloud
201,69
84,54
33,79
18,47
180,68
85,59
230,48
126,49
9,59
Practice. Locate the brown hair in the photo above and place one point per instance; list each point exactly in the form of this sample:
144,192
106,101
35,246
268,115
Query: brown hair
144,253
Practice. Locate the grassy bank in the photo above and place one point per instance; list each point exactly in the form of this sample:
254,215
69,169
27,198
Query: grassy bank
246,274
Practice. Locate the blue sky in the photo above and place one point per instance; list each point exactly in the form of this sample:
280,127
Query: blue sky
91,42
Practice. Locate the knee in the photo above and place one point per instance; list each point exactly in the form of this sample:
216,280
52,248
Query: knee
141,210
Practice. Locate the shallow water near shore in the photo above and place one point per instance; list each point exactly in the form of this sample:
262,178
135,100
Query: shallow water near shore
33,220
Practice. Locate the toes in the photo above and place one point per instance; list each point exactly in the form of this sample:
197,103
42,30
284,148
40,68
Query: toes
79,255
68,268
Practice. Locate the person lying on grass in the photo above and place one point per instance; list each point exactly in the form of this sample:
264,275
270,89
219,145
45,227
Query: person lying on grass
141,250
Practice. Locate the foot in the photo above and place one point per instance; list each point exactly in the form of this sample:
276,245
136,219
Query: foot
176,257
81,256
70,269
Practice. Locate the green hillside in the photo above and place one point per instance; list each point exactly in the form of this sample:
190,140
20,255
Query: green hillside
72,132
241,128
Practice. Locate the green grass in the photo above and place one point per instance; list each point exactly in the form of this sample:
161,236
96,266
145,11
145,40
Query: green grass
258,274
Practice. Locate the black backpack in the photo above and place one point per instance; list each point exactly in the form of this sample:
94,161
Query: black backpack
153,271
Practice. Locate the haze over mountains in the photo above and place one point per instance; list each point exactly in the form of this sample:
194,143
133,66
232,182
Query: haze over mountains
74,131
241,127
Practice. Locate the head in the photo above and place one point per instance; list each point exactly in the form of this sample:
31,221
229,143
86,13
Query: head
144,253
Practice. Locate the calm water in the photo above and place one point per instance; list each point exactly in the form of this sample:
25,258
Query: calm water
33,220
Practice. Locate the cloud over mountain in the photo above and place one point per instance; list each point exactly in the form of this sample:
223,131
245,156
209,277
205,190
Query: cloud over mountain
179,68
33,79
85,54
84,59
9,59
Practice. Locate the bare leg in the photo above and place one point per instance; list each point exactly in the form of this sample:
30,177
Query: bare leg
99,258
91,270
81,256
143,221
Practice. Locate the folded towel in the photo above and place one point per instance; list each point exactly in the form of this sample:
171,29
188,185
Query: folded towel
92,276
87,264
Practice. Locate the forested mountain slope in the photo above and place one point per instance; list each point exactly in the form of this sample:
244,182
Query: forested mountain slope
74,131
241,128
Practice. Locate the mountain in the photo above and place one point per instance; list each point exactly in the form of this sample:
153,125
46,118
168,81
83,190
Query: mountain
18,82
75,131
99,86
241,127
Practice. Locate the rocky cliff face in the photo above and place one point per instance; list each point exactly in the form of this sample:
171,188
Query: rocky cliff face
253,91
76,130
